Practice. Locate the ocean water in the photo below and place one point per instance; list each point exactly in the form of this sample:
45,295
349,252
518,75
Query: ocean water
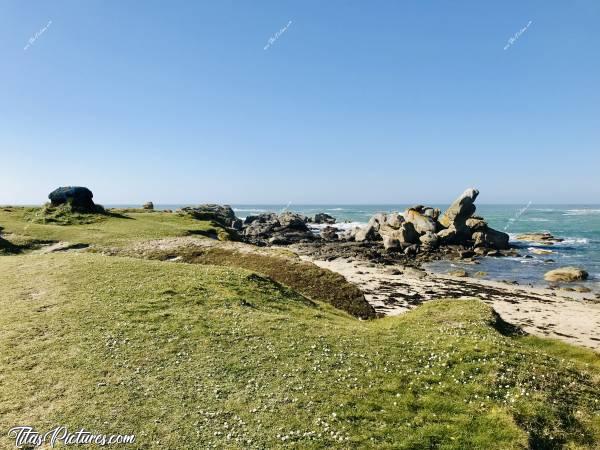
578,225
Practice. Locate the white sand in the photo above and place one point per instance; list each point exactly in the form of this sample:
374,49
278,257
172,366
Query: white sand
569,316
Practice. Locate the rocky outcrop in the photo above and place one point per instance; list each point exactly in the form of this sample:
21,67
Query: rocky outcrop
277,229
222,214
460,211
566,274
77,197
422,229
148,205
539,238
422,223
490,238
321,218
329,234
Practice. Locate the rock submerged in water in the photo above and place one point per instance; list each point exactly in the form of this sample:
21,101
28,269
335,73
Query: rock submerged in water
540,238
76,196
566,274
458,273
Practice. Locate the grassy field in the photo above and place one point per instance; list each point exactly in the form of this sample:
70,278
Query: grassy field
190,355
105,230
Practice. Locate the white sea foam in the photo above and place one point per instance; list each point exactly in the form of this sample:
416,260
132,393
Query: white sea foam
574,241
342,226
581,212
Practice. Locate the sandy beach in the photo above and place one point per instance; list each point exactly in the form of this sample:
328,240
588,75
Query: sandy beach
392,290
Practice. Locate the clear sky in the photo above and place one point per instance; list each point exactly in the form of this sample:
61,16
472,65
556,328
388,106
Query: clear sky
355,102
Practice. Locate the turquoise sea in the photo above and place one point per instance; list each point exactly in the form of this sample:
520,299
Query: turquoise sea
578,225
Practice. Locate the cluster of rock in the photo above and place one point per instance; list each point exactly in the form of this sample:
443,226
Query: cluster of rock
418,229
222,214
422,228
263,229
277,229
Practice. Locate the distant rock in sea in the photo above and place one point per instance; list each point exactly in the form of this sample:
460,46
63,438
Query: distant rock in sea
539,238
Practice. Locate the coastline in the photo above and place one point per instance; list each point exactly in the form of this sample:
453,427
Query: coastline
392,290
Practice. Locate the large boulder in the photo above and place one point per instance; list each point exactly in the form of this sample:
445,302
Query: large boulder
429,240
434,213
148,205
329,233
76,196
394,220
421,222
476,224
222,214
292,220
407,235
367,233
370,232
566,274
324,218
491,238
447,236
261,218
272,229
462,209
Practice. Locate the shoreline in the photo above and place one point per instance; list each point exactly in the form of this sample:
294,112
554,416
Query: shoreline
392,290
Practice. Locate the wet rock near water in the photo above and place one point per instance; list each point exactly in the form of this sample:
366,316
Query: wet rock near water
425,229
543,238
566,274
277,229
322,218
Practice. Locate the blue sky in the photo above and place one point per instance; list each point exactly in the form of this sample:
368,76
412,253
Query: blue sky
355,102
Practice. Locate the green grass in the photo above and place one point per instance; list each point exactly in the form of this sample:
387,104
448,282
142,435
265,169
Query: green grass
118,229
304,277
212,355
66,214
193,356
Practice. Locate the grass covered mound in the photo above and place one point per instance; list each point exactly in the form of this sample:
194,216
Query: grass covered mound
133,233
305,278
66,214
194,356
278,264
